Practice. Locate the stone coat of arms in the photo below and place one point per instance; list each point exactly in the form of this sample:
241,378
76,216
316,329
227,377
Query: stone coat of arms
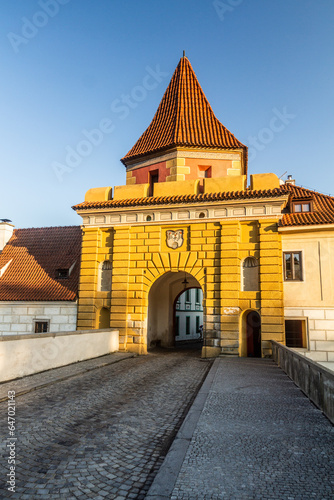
174,239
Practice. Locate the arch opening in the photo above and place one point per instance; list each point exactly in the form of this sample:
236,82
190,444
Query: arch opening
103,318
250,345
188,316
162,299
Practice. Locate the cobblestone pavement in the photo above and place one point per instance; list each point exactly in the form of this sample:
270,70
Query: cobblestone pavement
46,378
258,437
102,434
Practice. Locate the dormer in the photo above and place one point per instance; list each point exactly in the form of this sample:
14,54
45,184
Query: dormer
301,205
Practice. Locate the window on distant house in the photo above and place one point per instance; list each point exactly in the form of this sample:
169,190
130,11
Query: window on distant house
187,325
177,325
301,206
292,263
197,324
188,296
295,333
197,296
105,276
41,326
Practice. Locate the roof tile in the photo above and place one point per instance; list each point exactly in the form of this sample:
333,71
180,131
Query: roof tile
35,256
323,205
183,118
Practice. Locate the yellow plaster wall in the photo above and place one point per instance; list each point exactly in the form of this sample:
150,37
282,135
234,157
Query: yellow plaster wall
212,253
99,194
131,191
225,184
130,178
174,188
271,284
264,181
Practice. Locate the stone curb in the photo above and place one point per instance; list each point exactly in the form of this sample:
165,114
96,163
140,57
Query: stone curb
56,376
164,482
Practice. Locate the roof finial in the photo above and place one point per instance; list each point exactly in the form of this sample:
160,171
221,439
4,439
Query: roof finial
184,53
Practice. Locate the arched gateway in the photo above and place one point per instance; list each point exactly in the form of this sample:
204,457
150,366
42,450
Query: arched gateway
161,303
185,210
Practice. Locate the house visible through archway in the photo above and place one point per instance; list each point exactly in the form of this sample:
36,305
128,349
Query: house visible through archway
188,323
163,295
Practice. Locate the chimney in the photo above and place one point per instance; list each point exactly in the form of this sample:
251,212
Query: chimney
6,231
290,180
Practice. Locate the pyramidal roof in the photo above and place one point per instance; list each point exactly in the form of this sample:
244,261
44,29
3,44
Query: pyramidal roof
184,118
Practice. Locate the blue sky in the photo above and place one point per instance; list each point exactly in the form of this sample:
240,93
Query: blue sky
266,67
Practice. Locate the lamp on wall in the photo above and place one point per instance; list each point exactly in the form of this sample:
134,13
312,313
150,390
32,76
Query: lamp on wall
185,282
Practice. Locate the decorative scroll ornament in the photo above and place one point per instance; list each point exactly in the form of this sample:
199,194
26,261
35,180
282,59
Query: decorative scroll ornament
174,239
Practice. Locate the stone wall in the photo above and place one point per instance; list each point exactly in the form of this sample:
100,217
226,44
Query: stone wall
320,345
22,355
314,380
18,318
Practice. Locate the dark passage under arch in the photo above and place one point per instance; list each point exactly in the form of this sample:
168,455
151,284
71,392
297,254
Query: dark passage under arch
253,331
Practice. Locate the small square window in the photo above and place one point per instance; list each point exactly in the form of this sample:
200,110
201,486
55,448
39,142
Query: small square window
292,262
62,274
204,172
41,326
295,333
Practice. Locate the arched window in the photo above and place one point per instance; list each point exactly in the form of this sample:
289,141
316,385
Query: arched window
250,275
105,276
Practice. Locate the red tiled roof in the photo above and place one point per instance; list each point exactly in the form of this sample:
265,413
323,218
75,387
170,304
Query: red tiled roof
35,254
176,199
184,118
322,209
322,212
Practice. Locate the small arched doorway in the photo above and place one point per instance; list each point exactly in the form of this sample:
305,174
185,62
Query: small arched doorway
161,307
250,339
103,318
253,333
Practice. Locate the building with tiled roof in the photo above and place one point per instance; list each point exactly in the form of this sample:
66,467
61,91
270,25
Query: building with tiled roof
39,279
184,118
187,217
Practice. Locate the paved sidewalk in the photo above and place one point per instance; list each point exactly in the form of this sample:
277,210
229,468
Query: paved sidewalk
250,434
43,379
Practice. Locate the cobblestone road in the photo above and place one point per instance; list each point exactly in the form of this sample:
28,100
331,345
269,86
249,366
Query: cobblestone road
102,434
258,437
